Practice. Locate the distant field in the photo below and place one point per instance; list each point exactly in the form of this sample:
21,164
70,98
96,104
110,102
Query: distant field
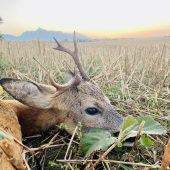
134,74
137,70
122,61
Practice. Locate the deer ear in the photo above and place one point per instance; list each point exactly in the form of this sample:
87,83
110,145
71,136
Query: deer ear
69,74
29,93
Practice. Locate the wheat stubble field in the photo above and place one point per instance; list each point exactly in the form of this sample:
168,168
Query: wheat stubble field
134,75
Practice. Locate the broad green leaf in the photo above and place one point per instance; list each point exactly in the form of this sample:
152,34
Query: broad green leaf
96,141
92,130
145,141
3,136
125,167
1,90
128,123
150,127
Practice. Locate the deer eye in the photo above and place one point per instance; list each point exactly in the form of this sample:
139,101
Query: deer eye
92,111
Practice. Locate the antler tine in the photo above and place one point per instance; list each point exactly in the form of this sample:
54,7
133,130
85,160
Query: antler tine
77,60
61,48
62,88
75,56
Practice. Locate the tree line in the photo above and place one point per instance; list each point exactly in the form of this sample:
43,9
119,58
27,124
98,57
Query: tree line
1,21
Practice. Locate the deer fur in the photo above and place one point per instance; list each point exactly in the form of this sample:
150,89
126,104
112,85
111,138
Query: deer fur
39,107
10,152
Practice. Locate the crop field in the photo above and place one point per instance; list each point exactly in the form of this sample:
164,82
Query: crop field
134,74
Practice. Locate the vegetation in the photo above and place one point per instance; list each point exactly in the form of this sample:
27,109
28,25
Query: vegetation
1,36
134,74
98,139
1,20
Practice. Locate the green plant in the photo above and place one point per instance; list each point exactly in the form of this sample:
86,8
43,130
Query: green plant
79,133
100,139
1,36
64,126
125,167
58,165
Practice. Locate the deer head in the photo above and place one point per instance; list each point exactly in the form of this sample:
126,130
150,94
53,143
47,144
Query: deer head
78,100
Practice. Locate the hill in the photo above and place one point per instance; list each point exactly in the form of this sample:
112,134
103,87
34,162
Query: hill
45,35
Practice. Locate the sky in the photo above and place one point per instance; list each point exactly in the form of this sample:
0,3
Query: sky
93,18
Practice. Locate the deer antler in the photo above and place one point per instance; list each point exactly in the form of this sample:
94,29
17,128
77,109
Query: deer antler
63,88
75,56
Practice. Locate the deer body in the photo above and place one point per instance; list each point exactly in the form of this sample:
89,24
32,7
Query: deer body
10,153
78,100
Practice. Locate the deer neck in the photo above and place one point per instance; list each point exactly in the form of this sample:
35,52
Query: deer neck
33,120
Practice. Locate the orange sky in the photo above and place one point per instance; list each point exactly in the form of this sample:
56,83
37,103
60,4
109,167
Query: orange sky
93,18
133,34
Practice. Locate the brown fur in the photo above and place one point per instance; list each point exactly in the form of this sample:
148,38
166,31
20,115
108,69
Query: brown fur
33,120
9,122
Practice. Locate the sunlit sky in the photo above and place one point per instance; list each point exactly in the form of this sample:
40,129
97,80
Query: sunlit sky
93,18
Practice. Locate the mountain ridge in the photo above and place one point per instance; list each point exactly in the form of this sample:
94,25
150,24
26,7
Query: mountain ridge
45,35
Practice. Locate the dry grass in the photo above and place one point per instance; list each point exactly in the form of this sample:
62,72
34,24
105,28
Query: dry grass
134,74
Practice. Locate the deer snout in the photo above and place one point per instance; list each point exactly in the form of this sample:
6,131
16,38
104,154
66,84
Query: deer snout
120,124
115,125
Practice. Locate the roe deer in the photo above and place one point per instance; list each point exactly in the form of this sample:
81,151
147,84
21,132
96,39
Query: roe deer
40,107
10,152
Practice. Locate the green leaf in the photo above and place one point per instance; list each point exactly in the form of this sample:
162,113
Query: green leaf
92,130
125,167
96,141
3,136
52,163
128,123
150,127
145,141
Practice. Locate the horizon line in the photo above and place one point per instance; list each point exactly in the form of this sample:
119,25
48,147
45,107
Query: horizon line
95,37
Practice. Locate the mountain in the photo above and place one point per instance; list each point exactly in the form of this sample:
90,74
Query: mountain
45,35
